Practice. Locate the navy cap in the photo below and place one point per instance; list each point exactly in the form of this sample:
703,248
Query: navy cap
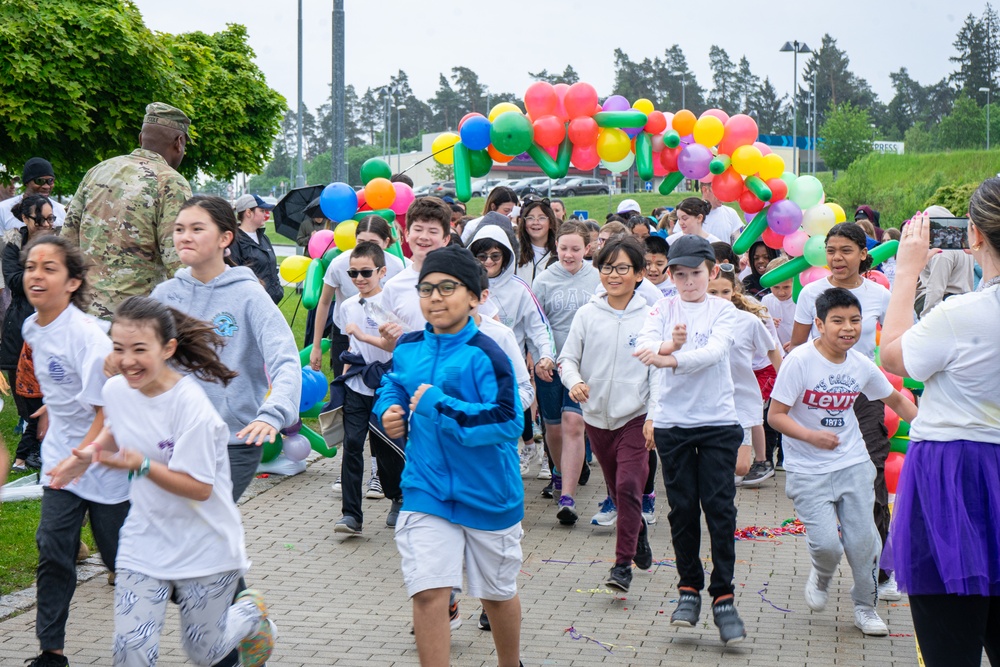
690,251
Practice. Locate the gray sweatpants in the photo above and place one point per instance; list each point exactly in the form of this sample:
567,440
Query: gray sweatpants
846,496
211,624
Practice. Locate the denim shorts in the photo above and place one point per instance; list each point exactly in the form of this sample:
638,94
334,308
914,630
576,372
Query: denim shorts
553,399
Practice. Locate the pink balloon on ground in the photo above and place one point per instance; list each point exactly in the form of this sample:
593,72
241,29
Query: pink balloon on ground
404,197
320,242
813,273
795,243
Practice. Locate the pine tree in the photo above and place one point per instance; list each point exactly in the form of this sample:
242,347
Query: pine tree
747,87
724,94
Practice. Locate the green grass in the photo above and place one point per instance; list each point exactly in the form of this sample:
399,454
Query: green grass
598,206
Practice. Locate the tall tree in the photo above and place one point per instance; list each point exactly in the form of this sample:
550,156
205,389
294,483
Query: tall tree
724,94
977,45
568,76
675,70
447,105
774,114
964,127
471,93
835,82
748,87
845,136
371,115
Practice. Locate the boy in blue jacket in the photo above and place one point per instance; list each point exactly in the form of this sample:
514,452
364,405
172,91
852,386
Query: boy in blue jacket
454,390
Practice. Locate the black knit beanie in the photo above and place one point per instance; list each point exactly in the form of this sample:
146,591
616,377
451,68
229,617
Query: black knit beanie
456,262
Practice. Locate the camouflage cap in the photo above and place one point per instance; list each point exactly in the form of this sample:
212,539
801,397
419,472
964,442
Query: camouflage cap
159,113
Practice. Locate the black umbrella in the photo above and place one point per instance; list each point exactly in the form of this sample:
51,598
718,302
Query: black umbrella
290,211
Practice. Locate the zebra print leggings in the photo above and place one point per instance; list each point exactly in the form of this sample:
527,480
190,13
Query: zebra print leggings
211,625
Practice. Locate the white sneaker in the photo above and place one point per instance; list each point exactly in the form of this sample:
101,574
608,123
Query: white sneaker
888,590
815,592
527,453
544,472
374,488
867,620
737,480
608,514
337,488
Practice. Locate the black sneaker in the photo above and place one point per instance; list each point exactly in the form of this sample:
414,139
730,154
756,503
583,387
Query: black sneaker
727,619
33,462
348,526
585,474
759,472
643,558
688,610
484,622
547,491
47,659
620,577
393,516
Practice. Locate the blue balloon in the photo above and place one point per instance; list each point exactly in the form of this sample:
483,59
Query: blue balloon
339,202
313,389
475,133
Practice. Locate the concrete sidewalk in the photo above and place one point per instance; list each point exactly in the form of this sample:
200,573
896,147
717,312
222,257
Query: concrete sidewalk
340,601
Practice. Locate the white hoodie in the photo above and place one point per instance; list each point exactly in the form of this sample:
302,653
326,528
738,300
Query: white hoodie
515,304
598,351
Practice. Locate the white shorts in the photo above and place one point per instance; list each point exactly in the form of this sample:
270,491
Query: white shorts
433,551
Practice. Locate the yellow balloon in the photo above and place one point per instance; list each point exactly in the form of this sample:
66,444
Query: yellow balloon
839,215
746,160
345,235
771,166
293,269
501,108
708,131
613,144
643,105
443,148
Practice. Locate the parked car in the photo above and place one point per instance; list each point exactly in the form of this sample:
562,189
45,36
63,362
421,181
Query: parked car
507,182
442,189
535,185
422,191
580,186
482,186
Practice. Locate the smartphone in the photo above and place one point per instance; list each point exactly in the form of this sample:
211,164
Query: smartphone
950,233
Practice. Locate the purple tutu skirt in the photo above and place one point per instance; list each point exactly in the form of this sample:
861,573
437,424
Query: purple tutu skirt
945,531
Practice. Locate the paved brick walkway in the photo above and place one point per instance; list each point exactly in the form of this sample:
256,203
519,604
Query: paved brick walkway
340,601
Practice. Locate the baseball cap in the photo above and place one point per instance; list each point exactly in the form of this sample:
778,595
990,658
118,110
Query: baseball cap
629,205
690,251
247,202
159,113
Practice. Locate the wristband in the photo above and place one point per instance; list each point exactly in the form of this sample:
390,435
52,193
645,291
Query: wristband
142,471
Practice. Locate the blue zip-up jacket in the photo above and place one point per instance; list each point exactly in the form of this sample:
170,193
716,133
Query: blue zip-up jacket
461,454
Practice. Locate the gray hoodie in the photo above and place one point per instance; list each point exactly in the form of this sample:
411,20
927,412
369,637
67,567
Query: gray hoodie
562,293
259,346
516,305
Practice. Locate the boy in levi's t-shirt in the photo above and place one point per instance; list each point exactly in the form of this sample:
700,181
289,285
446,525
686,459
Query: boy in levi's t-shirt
829,474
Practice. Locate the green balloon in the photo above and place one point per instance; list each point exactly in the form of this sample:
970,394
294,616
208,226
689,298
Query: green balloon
751,233
815,251
271,449
375,168
784,272
511,133
899,443
789,178
324,344
913,385
883,251
480,163
903,430
317,442
670,181
671,139
806,191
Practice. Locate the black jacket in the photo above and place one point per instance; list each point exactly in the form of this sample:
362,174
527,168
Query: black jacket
20,308
260,258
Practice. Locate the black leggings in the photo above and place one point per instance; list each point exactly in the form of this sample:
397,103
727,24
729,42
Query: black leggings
651,478
953,630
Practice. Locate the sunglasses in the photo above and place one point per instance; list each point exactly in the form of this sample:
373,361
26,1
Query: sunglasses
45,181
444,288
726,267
364,273
492,257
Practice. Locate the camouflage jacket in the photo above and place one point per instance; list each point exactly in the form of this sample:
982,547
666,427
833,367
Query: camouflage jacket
122,217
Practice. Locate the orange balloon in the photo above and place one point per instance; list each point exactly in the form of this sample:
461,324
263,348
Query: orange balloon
498,156
379,193
684,122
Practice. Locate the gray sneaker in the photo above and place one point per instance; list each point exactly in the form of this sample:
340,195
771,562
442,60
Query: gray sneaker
759,471
727,619
393,516
348,526
688,610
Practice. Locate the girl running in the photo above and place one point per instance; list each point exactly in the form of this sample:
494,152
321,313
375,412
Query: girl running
536,235
183,538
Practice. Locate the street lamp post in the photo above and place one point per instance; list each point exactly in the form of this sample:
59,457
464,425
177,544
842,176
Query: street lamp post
796,48
300,178
987,91
399,143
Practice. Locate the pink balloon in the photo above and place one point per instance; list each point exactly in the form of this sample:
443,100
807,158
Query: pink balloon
404,197
560,111
814,273
718,113
878,277
585,157
763,148
657,140
320,242
707,179
795,243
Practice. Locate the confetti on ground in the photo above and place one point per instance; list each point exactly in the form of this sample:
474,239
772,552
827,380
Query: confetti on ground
263,475
599,591
289,546
552,561
900,634
762,597
527,574
577,636
763,533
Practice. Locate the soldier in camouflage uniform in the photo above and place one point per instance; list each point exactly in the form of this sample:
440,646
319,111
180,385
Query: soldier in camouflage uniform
123,213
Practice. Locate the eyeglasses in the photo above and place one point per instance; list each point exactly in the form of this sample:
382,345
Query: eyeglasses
601,241
444,288
45,181
49,220
726,267
620,269
537,219
364,273
491,257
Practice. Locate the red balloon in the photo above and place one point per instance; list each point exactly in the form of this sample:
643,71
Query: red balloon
551,150
908,395
560,90
585,157
779,189
540,99
656,122
749,202
581,98
740,130
668,158
891,421
728,186
467,117
549,131
894,380
878,277
658,168
583,131
772,239
363,201
893,468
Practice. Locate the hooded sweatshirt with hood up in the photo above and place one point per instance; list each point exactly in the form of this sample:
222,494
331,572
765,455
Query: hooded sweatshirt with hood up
598,351
258,345
512,297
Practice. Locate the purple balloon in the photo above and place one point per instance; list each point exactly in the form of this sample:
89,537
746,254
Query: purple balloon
616,103
749,216
687,139
693,161
783,217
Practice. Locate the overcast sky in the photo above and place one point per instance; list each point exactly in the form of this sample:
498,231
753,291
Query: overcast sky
502,40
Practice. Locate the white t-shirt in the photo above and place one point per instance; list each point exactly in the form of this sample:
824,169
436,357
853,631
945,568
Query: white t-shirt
783,311
711,238
343,287
165,535
251,235
750,338
760,358
953,350
400,298
699,391
723,222
503,336
667,287
68,354
874,302
8,221
352,311
821,396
